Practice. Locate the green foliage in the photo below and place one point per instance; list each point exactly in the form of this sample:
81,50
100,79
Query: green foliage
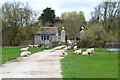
48,15
103,64
17,23
107,14
72,21
96,36
95,32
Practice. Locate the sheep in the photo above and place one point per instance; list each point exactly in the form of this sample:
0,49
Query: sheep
75,47
63,54
78,51
24,49
85,53
25,53
90,51
35,46
28,53
30,45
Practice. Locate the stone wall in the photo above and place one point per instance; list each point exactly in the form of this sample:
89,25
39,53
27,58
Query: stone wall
53,40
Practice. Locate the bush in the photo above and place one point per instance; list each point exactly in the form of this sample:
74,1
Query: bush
89,44
96,36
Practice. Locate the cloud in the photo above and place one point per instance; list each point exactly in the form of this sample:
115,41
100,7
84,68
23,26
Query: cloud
61,6
86,11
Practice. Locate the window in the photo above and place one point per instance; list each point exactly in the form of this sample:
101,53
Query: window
47,37
44,37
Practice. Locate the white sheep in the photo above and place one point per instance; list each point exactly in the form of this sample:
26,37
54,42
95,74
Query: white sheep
36,46
63,54
33,45
24,49
85,53
78,51
90,51
28,53
75,47
25,53
30,45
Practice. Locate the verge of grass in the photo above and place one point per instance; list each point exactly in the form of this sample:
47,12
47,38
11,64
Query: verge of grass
0,55
103,65
10,53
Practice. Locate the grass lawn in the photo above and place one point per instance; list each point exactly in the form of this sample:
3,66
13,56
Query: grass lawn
103,64
10,53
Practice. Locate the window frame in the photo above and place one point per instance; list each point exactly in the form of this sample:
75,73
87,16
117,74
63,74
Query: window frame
45,37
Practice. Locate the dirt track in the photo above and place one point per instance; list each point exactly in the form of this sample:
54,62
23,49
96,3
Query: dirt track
44,64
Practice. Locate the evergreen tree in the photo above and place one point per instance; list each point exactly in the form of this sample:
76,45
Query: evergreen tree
48,16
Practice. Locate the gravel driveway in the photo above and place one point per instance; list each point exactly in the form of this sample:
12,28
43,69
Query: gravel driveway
44,64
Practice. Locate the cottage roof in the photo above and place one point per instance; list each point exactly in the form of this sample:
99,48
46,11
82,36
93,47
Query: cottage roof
48,30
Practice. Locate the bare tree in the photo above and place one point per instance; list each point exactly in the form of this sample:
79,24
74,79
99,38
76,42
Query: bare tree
18,23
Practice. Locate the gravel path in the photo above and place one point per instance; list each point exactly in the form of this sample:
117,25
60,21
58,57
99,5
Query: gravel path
44,64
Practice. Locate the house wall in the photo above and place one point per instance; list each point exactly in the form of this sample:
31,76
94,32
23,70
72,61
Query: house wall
37,39
52,39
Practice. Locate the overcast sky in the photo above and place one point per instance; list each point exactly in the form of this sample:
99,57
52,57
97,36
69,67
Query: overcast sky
61,6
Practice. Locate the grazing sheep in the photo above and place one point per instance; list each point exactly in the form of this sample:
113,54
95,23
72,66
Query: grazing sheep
25,53
75,47
36,46
90,51
33,45
24,49
28,53
85,53
63,54
30,45
78,51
